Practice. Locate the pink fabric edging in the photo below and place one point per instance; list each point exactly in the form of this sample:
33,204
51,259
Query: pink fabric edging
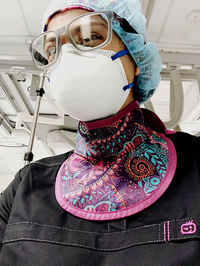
99,216
168,132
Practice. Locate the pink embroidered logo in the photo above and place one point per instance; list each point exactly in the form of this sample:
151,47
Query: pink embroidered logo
188,228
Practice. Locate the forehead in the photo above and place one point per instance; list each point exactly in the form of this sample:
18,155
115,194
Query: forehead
63,18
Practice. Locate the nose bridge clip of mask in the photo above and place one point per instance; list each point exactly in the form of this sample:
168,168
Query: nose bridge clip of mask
71,49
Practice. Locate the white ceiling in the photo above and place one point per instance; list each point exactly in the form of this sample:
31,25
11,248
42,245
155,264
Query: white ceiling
173,25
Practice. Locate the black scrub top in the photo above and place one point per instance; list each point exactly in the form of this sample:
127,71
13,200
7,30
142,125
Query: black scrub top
35,230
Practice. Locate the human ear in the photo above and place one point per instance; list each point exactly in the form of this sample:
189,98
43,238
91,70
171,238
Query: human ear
137,71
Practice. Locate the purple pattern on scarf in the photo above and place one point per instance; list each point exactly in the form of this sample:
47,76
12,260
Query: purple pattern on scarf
114,167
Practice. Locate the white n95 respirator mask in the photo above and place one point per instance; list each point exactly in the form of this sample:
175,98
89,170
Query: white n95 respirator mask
89,85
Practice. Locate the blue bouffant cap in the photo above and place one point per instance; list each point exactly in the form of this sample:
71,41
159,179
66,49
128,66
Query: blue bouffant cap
145,54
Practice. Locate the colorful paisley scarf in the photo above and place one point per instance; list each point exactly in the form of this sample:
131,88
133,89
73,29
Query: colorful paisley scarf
119,167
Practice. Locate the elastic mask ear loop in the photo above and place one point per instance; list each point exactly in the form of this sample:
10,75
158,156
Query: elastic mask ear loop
118,55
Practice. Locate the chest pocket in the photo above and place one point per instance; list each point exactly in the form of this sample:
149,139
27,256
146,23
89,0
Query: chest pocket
165,232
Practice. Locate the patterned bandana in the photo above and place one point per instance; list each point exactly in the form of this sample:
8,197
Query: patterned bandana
119,167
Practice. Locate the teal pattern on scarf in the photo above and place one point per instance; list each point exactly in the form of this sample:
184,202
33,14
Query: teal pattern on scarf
116,166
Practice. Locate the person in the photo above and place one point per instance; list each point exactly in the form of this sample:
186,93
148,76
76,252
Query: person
129,192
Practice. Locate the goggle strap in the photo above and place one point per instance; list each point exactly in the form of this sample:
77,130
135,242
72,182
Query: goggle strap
120,54
129,86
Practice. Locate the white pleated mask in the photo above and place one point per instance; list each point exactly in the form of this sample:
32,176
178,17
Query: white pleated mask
88,85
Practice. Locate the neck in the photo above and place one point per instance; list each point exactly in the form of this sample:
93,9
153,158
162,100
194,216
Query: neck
104,140
128,100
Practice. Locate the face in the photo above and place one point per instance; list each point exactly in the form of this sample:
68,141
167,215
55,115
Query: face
115,45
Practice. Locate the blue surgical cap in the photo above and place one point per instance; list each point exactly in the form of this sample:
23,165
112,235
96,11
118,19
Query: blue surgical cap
144,53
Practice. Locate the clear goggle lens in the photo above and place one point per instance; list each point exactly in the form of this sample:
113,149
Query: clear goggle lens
85,33
89,31
44,49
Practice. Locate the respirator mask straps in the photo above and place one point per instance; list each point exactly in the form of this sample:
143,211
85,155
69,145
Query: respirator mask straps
118,55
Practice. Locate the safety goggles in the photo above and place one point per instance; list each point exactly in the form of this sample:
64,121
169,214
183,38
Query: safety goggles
87,32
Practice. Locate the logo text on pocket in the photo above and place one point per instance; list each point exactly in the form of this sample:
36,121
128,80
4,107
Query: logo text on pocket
188,228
